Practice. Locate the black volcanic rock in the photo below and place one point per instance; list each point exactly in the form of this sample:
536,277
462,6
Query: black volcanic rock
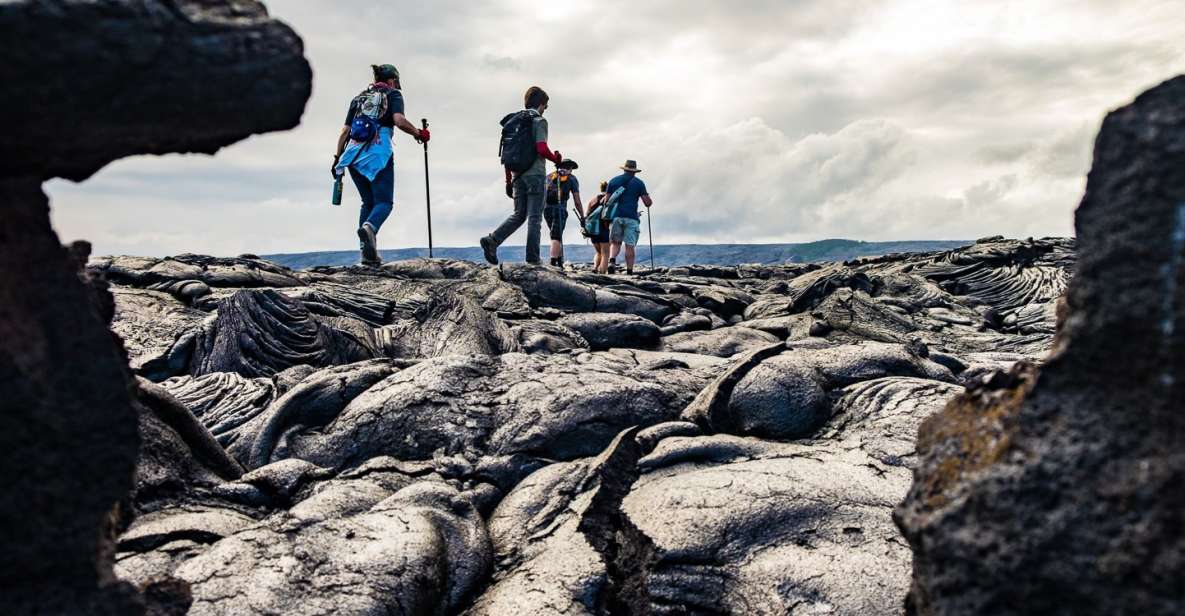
87,83
70,431
259,333
122,78
517,390
613,330
1058,489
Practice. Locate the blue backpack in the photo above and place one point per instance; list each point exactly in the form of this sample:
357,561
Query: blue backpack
610,207
369,106
592,222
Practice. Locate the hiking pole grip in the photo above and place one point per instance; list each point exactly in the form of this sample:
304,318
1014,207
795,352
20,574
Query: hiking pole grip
427,189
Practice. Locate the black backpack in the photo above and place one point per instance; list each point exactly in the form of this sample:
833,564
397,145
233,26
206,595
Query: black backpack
517,148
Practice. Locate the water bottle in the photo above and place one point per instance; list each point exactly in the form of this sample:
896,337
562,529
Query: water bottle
337,191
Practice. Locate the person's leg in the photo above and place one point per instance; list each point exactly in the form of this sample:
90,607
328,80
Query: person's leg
551,216
557,235
616,235
535,188
366,193
632,229
516,219
604,254
383,190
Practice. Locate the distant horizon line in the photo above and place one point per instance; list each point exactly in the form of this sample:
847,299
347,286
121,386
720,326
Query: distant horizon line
643,245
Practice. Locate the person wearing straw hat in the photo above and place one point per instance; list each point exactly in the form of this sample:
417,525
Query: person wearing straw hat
626,226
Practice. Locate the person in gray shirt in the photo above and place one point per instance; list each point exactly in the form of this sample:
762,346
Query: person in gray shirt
527,188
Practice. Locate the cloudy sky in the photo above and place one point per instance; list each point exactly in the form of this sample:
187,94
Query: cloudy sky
754,120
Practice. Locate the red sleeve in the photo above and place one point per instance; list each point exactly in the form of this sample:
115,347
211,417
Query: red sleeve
545,152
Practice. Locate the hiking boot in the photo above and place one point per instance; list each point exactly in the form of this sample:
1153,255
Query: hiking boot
489,249
366,263
370,253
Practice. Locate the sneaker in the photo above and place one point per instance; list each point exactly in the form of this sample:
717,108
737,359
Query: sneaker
629,272
489,249
559,263
370,253
366,263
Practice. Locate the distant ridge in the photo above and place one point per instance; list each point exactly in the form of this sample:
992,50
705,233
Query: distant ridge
667,255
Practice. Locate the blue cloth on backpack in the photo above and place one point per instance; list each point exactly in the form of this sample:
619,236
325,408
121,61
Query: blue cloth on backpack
367,158
627,205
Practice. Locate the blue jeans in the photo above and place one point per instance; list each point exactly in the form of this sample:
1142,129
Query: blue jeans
378,195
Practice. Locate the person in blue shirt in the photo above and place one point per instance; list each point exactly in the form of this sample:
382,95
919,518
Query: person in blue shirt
372,165
626,225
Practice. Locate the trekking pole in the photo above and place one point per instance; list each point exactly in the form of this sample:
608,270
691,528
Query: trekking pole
427,190
650,231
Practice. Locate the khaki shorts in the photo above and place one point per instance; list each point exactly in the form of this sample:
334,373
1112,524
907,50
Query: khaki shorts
625,230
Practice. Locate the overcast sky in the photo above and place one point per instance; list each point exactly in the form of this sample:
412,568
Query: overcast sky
753,120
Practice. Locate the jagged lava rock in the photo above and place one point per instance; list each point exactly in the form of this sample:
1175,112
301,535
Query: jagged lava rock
117,72
1058,489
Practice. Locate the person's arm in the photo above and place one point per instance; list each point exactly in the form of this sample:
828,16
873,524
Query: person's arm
402,124
579,206
591,205
341,141
539,127
545,152
647,201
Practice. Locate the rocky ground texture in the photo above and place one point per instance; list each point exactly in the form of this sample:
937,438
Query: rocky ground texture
438,437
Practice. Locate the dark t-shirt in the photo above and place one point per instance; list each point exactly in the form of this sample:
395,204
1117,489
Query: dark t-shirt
567,187
627,204
394,106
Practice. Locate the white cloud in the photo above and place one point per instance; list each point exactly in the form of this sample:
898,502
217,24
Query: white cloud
762,121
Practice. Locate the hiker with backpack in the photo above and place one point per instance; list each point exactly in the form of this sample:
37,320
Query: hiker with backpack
624,192
597,230
560,185
524,151
365,149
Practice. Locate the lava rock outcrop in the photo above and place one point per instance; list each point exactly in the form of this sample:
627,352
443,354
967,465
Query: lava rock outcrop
87,83
1058,489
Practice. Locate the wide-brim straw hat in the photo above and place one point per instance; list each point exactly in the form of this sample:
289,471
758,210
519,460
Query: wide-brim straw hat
631,165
